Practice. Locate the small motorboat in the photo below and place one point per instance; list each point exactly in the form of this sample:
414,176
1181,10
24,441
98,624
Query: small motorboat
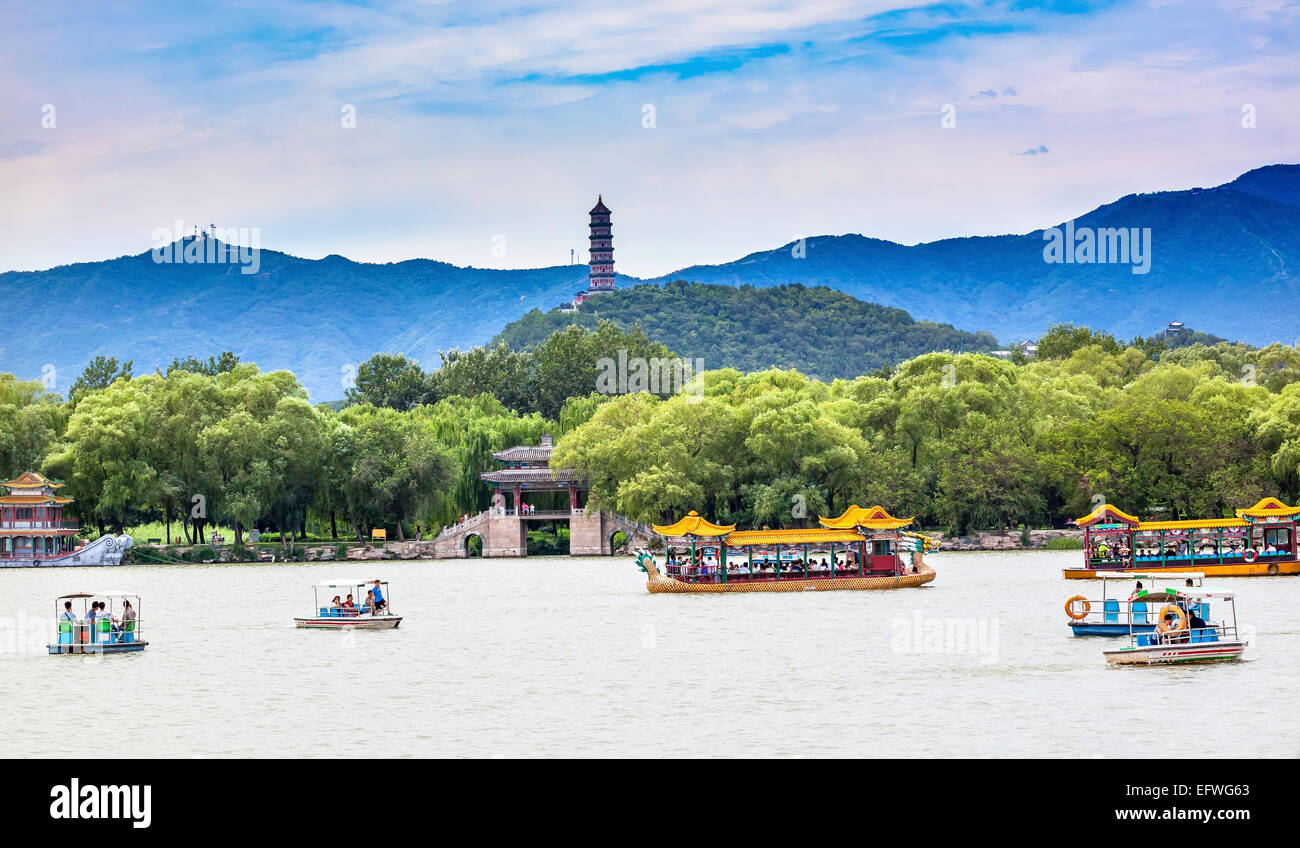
1184,633
350,614
1118,616
113,630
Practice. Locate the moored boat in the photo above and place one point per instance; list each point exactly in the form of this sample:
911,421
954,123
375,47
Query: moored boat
33,531
861,549
1258,542
343,613
1183,633
114,629
1119,616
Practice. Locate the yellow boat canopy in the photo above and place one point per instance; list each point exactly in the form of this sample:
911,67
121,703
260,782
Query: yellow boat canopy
693,525
1266,509
1107,514
873,518
792,537
1269,508
1193,524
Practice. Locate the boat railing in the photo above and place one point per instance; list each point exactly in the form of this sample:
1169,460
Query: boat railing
100,631
795,571
1194,635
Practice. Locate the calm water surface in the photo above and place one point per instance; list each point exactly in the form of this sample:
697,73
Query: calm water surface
552,657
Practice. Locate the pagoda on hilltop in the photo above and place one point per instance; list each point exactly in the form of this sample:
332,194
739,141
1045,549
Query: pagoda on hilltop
601,276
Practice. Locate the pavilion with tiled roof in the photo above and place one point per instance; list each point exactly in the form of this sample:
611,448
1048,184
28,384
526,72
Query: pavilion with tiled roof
31,518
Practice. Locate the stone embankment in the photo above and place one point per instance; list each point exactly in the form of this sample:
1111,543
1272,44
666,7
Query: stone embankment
1011,540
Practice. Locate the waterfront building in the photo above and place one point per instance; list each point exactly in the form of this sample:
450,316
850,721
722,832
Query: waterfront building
31,519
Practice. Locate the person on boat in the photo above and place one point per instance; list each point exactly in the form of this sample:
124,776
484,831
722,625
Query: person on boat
68,614
379,602
350,606
128,617
1195,624
337,603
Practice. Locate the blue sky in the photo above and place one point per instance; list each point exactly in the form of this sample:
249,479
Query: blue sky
482,125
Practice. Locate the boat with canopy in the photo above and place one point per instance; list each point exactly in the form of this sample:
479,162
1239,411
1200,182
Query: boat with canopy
351,607
864,548
1119,615
113,630
1184,632
1258,542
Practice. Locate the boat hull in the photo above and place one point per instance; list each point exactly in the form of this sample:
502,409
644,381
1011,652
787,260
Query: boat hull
98,648
106,550
360,622
1176,654
1239,569
660,584
1082,628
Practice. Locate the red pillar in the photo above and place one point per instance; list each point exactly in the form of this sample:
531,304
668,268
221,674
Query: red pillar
519,499
573,498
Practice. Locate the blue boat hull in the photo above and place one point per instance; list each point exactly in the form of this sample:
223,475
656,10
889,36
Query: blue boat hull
1108,629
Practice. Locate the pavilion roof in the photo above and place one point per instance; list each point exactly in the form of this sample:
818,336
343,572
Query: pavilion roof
31,479
528,475
694,525
873,518
1269,508
34,499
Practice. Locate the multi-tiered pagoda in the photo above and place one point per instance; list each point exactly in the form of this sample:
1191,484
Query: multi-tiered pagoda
601,276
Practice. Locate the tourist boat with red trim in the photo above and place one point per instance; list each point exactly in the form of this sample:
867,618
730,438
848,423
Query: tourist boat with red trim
861,549
1258,542
1183,632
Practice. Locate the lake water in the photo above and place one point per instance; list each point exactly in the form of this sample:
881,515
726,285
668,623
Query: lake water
556,657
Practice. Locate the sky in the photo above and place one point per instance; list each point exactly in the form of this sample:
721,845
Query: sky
481,133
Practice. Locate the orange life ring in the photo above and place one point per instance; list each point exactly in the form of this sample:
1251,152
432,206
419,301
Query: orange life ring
1180,624
1070,609
1249,555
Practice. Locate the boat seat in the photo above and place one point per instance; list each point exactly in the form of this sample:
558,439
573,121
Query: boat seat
1143,640
1111,613
1140,612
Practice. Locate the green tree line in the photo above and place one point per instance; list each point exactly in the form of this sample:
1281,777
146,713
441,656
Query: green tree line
962,441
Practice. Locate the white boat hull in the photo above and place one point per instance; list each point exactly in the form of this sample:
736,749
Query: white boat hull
1174,654
355,622
106,550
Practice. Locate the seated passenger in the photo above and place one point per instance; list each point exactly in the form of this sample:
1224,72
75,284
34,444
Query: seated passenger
349,606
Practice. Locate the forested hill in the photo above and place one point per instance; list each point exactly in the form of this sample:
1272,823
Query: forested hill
819,331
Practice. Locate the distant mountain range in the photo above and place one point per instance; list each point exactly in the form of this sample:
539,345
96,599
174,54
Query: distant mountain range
1222,259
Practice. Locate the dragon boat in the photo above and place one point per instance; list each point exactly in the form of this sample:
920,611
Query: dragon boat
864,548
1258,542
